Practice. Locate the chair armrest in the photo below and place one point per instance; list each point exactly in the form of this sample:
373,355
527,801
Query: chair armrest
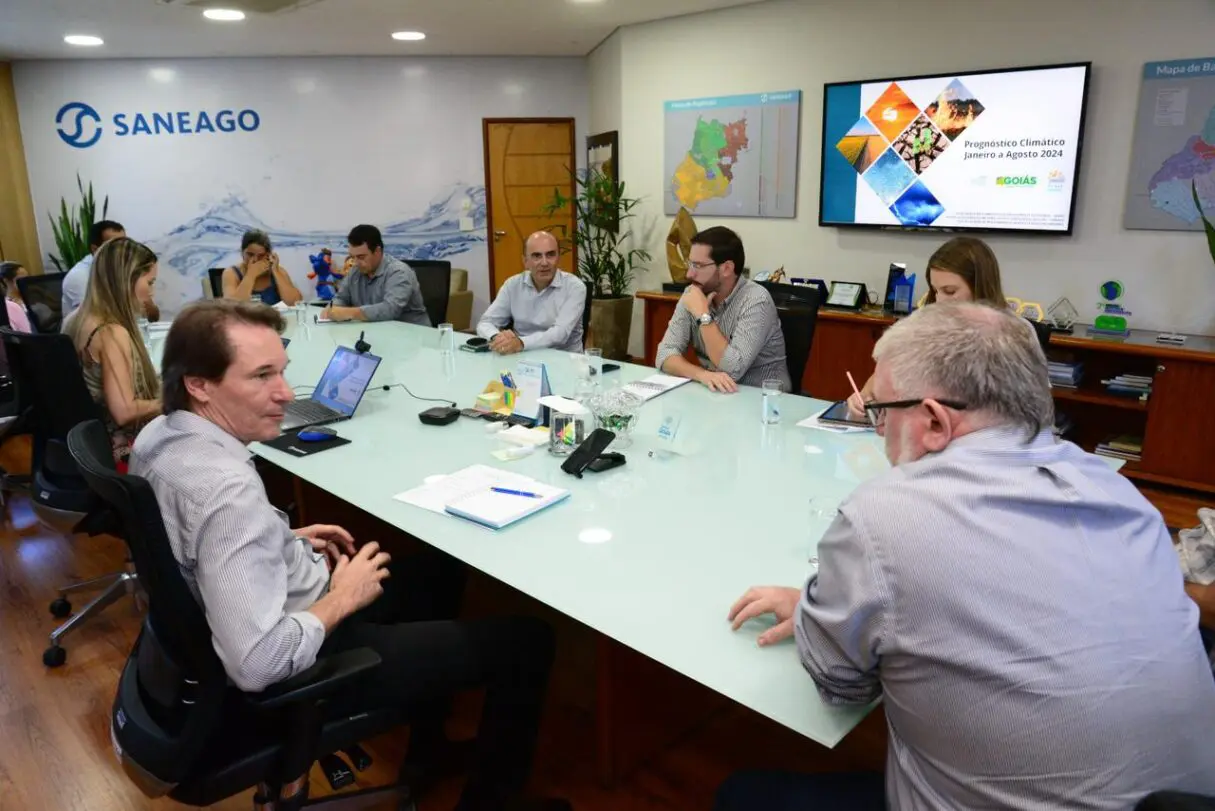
319,681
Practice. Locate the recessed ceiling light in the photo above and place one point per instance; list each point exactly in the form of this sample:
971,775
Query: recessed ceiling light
224,15
408,36
85,40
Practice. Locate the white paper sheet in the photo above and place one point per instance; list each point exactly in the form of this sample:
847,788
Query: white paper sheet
436,495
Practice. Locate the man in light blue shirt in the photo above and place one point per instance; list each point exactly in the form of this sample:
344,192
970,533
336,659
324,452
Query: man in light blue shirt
76,280
1015,602
540,308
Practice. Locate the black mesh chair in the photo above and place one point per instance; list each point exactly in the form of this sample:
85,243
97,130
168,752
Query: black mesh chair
1175,801
178,727
434,278
586,317
1042,331
797,306
215,281
43,297
54,399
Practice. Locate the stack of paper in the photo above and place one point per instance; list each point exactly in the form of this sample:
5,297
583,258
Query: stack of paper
491,497
654,385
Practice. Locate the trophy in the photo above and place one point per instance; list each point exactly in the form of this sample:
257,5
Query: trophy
1062,316
679,246
1112,320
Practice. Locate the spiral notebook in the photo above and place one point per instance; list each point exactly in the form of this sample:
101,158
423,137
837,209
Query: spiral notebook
485,495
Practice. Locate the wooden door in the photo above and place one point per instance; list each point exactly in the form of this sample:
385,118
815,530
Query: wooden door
526,161
1180,439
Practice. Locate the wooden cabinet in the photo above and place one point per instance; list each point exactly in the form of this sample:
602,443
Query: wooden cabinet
1175,422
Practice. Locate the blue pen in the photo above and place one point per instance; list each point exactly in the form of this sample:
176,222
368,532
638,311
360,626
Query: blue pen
514,492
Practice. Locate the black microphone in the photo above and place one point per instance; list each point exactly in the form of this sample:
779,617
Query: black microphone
361,346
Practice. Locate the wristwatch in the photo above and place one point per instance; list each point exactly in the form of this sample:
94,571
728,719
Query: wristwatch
705,319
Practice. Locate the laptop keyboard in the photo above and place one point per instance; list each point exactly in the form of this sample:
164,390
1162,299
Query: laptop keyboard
311,410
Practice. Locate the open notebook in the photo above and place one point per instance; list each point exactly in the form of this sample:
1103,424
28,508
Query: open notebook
654,385
470,494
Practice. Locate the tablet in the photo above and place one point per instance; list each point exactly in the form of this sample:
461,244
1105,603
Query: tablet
838,414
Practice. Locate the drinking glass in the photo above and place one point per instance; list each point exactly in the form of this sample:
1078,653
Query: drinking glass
594,359
771,401
447,338
145,330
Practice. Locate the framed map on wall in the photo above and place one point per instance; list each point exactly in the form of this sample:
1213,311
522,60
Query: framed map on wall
732,156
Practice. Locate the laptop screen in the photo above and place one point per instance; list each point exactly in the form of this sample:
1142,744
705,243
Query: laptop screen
345,379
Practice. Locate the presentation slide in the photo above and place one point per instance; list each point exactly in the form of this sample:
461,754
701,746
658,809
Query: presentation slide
990,151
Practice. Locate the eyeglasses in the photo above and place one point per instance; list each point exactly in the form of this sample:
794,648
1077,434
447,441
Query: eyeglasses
877,411
702,265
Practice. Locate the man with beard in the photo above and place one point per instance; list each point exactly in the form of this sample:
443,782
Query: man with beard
729,319
1015,602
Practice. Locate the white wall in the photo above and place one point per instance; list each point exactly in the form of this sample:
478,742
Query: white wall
785,44
393,142
605,77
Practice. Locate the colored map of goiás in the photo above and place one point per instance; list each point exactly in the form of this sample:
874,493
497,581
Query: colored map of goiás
708,168
1170,188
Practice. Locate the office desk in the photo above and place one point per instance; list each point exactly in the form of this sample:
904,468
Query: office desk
652,554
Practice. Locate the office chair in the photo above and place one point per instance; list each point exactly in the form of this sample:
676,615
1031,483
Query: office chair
434,279
178,727
215,279
1042,331
51,388
1175,801
586,315
43,297
797,306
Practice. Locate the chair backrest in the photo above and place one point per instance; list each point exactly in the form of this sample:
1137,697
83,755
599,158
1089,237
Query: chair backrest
173,686
46,372
586,315
797,306
434,279
215,278
43,297
1042,331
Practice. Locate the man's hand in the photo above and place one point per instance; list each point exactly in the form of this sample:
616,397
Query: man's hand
506,342
332,540
357,581
762,600
695,300
717,381
341,313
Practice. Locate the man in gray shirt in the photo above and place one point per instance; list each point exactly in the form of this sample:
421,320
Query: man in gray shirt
543,306
382,288
277,598
729,319
1016,602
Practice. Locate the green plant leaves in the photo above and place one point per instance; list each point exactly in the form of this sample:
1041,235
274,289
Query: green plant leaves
71,229
1207,223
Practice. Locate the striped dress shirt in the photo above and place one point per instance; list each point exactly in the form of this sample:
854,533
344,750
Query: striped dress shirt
546,319
254,578
750,323
1020,609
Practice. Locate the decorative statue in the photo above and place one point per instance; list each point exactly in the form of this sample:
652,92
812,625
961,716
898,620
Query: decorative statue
327,279
679,245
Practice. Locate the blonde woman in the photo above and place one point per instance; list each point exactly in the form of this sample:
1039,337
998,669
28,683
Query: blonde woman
105,330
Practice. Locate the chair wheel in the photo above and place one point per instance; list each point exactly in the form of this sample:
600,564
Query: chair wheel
54,656
61,608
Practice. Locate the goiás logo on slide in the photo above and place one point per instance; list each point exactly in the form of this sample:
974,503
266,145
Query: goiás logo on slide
80,125
1017,181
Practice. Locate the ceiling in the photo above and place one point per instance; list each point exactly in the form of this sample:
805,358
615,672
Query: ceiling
34,29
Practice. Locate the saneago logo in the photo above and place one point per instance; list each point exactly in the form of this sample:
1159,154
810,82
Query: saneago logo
1024,181
78,124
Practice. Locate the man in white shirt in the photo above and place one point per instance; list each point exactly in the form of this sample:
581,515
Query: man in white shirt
76,280
542,306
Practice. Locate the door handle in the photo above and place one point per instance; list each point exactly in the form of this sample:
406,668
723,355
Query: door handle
498,235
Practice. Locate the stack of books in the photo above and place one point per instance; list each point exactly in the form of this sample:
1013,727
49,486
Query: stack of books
1065,375
1122,447
1129,386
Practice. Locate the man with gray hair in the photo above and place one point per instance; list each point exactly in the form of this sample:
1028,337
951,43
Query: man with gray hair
1015,601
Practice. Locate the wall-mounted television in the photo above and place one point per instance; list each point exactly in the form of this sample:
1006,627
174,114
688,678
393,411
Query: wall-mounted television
994,150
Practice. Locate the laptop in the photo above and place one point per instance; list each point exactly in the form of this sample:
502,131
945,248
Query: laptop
337,393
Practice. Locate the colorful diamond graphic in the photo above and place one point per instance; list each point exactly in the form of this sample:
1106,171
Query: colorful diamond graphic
954,110
920,144
917,206
888,176
892,112
862,145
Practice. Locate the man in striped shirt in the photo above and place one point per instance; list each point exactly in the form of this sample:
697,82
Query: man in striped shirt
1015,602
276,599
729,319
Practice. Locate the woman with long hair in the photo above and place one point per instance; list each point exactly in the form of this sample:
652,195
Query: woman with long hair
259,275
963,269
14,307
105,330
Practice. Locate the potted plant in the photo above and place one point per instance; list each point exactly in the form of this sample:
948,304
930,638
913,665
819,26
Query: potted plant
1206,223
605,262
72,228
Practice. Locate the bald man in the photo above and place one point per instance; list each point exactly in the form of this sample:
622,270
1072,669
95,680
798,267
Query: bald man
540,308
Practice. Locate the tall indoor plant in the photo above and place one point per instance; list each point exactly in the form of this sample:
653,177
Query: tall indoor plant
71,229
606,263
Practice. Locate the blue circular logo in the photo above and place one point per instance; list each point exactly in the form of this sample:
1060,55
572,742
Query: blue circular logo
72,123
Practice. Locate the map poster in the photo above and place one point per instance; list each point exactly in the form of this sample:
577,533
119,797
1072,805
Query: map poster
732,156
1174,148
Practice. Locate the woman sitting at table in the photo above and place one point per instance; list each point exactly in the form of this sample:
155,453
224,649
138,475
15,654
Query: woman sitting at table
105,330
10,272
259,274
963,269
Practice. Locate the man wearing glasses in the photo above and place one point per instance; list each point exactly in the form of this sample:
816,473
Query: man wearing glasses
729,319
1016,602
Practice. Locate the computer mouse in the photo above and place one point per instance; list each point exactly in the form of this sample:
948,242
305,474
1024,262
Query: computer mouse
317,433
